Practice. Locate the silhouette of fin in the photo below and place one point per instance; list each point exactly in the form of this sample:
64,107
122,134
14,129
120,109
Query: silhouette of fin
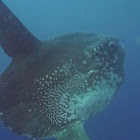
15,39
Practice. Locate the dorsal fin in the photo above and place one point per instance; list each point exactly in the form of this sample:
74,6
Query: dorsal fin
15,39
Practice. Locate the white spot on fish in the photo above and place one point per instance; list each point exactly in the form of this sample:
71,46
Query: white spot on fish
30,110
84,62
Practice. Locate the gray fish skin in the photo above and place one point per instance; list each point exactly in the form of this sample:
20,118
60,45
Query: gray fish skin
70,79
59,84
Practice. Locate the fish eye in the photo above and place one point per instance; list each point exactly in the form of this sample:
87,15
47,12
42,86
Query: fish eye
112,44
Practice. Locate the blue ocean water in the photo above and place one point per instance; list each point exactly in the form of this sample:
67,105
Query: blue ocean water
121,18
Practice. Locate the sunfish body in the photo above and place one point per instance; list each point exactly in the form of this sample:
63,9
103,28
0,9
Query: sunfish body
52,87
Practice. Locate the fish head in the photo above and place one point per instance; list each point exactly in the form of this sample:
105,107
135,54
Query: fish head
102,63
106,54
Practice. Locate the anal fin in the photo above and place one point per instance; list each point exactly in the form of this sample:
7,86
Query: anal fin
75,132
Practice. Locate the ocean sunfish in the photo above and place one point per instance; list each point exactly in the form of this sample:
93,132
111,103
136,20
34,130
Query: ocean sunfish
52,87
